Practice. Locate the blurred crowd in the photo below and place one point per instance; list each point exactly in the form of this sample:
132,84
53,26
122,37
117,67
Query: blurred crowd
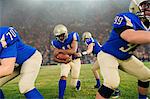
36,26
41,39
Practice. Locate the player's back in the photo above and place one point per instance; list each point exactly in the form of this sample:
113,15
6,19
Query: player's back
14,47
115,45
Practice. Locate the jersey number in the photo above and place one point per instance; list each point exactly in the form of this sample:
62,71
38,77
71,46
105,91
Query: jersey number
118,20
129,48
11,34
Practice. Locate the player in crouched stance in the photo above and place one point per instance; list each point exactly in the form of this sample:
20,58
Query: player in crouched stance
13,50
67,44
129,31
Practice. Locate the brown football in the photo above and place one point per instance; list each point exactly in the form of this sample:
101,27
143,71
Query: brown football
62,56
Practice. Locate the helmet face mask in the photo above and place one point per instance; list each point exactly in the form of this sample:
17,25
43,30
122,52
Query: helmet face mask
60,32
61,37
145,8
141,8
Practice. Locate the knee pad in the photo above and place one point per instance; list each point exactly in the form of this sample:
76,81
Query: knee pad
25,87
143,84
105,91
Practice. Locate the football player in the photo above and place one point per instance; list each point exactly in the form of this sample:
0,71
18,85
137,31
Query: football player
94,47
130,29
13,50
67,43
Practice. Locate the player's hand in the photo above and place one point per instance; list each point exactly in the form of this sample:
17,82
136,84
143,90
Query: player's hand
78,55
56,51
68,60
84,53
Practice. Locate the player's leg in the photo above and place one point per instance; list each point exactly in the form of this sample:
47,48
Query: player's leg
75,72
65,69
1,94
6,79
96,74
136,68
109,71
29,72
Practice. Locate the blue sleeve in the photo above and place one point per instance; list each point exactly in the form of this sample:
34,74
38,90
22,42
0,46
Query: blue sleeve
12,36
121,23
9,37
8,52
55,44
76,36
89,41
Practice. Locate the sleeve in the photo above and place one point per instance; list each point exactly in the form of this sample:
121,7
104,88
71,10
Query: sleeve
89,41
122,23
10,37
76,36
55,44
8,52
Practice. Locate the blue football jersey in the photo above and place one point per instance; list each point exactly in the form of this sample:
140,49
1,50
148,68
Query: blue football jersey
115,45
67,42
96,47
11,45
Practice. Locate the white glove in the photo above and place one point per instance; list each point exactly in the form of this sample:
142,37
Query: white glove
84,53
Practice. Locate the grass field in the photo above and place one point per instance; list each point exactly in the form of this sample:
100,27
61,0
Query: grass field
47,83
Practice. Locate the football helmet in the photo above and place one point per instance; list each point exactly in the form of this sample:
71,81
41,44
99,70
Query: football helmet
86,35
140,8
59,31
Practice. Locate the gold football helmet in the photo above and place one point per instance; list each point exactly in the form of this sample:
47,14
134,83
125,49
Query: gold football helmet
60,30
86,35
139,7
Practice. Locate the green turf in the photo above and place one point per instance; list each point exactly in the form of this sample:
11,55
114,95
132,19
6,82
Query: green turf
47,83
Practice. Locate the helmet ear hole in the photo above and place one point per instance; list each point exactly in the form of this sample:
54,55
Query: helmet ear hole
132,8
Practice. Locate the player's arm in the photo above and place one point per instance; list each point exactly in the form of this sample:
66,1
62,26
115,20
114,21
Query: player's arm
56,52
89,49
7,66
74,45
123,25
72,50
136,37
61,61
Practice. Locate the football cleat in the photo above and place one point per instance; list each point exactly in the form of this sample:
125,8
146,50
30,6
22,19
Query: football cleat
116,94
78,86
97,86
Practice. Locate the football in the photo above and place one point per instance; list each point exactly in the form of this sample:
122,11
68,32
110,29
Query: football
62,56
